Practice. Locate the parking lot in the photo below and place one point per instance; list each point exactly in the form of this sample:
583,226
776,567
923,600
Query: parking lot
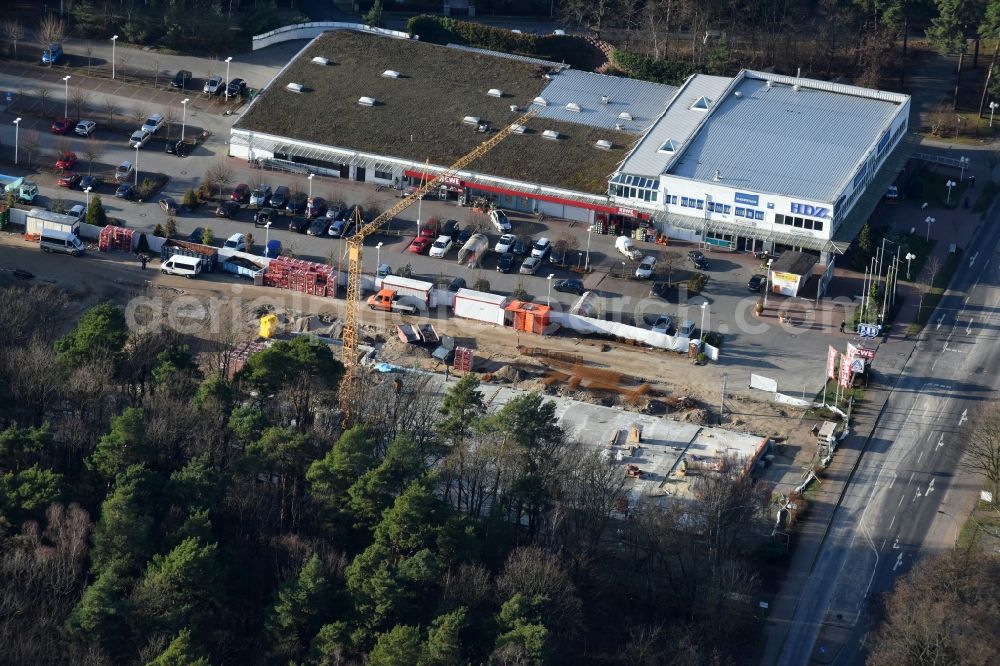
792,352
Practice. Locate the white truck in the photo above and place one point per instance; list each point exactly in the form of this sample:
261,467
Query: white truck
626,246
24,190
414,289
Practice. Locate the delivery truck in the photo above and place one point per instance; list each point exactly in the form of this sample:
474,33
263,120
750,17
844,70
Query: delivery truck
24,190
415,289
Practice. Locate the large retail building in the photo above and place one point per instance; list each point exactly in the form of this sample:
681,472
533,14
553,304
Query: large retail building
752,162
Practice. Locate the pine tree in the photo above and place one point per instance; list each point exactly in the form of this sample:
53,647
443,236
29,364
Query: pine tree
123,535
181,652
444,640
158,231
179,589
207,237
170,228
96,214
125,445
299,611
398,646
101,613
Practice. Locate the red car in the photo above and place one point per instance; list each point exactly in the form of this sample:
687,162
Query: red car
420,245
67,161
62,125
70,179
428,231
241,193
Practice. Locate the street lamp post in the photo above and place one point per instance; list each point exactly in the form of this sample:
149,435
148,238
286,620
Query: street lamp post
930,220
17,128
88,196
950,184
909,257
378,256
704,306
310,179
993,107
66,105
548,298
958,528
114,41
590,229
964,162
228,60
767,279
267,237
184,109
137,166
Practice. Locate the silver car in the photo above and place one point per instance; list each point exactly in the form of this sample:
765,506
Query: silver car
530,266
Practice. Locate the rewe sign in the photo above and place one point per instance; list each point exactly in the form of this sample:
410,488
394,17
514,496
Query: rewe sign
806,209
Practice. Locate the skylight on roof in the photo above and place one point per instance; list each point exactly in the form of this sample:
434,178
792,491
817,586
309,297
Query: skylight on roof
574,107
551,134
494,92
702,104
540,101
390,74
668,146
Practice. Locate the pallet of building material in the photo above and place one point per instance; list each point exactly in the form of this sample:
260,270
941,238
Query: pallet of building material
115,238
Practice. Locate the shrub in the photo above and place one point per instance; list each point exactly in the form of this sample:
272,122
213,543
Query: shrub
659,71
482,284
206,236
171,228
190,199
158,231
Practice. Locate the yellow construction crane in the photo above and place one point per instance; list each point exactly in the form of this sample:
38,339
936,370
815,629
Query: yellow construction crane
356,243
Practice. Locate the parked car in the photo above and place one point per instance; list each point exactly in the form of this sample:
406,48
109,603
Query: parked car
698,260
570,286
420,244
383,270
168,205
236,242
236,87
85,127
273,248
318,227
521,247
61,125
125,191
260,196
505,243
227,209
298,224
456,284
280,197
756,283
663,324
214,86
139,138
180,80
297,203
178,148
541,248
195,236
77,211
66,161
646,268
337,227
70,180
316,207
499,220
51,55
506,262
686,329
153,123
669,293
441,246
264,217
241,193
123,171
530,266
464,235
93,182
449,228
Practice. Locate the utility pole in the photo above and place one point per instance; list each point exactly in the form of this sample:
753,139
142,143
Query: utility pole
722,399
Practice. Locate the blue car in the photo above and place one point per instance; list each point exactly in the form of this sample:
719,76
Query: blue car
273,249
51,55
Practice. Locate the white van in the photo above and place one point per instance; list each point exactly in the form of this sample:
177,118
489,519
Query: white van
180,265
66,242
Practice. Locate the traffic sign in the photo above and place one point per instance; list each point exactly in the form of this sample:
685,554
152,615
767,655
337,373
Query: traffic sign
869,330
858,365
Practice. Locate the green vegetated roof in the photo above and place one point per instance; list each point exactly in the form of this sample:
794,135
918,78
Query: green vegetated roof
419,116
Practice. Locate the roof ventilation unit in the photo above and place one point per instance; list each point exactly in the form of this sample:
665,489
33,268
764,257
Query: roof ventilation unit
605,99
552,135
717,176
366,101
619,127
625,115
320,60
513,108
796,87
494,92
294,87
519,129
603,144
540,101
574,107
471,120
390,74
738,94
768,85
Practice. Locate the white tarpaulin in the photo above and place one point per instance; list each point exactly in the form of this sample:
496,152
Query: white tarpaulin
763,383
619,330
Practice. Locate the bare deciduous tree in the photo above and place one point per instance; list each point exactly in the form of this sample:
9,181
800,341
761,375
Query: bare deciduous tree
30,144
124,58
982,449
80,98
139,114
44,94
51,30
111,108
13,32
169,119
220,174
93,152
88,51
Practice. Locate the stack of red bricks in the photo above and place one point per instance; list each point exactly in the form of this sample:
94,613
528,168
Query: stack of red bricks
307,277
115,238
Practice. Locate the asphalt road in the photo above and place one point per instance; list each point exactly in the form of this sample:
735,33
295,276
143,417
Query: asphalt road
906,498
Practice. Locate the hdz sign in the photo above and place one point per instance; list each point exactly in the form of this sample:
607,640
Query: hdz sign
869,330
811,211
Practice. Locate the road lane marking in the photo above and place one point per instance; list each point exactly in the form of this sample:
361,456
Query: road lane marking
940,442
968,329
916,495
899,561
911,478
895,544
891,522
920,457
900,502
939,323
972,259
893,482
965,417
930,488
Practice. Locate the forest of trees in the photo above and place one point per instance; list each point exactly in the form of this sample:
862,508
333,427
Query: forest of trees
153,511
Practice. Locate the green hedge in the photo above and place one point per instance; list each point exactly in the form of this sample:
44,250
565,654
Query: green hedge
441,30
637,66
